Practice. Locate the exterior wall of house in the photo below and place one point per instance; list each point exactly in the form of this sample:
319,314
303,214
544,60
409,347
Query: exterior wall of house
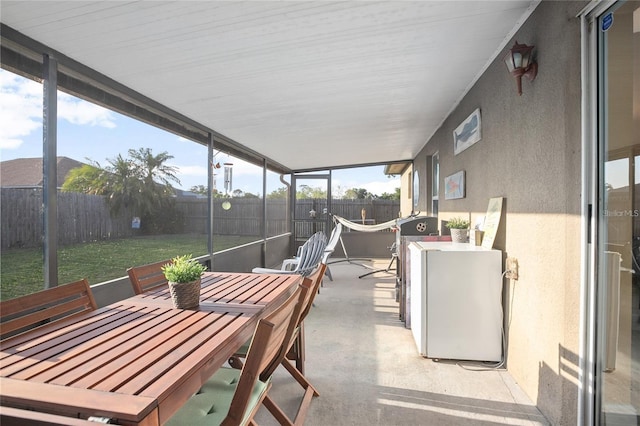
530,155
406,185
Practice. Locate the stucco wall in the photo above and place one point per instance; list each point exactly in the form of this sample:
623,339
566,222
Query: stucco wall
530,155
406,192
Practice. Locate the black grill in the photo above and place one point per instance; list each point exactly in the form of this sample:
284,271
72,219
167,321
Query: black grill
410,229
418,226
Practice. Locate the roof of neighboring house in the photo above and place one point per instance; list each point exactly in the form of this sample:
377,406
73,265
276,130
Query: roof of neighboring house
27,172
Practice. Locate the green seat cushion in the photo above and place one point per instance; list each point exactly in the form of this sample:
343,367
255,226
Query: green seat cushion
211,404
244,349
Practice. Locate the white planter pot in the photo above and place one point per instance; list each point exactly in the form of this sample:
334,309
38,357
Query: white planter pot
459,235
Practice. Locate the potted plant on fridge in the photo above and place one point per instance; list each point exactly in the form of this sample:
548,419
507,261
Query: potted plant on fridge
184,276
459,229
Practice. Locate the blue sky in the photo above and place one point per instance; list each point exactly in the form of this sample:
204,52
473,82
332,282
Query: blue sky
89,131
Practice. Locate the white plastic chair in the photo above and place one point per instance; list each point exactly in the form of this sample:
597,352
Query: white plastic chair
289,264
309,257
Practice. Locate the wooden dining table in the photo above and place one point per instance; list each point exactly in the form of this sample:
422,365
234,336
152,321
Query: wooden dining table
137,361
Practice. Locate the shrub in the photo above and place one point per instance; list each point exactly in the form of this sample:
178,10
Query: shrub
183,269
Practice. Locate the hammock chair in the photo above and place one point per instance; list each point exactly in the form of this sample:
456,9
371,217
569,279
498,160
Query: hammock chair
391,224
366,228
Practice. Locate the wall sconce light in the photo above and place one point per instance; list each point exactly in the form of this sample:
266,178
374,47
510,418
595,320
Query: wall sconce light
520,63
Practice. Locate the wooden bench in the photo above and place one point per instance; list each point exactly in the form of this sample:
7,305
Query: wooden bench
148,278
53,304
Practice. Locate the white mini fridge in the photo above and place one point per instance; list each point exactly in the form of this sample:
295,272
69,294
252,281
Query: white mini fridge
456,301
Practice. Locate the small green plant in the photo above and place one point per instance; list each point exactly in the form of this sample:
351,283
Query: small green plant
458,223
183,269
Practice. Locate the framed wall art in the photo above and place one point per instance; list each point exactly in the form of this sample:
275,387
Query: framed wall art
454,186
467,133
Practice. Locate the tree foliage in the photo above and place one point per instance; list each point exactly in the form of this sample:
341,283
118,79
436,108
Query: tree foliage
87,179
140,183
387,196
306,192
358,194
199,189
280,193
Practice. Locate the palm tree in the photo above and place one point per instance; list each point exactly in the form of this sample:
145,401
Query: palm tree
155,179
124,186
153,170
87,179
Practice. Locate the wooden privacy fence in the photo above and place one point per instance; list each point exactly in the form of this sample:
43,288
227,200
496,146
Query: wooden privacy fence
83,218
244,217
377,211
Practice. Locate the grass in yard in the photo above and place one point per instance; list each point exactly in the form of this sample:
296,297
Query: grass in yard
21,270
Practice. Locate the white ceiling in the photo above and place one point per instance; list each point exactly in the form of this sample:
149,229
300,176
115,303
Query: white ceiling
309,84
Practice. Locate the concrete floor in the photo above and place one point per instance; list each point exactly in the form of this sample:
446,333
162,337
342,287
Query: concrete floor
365,365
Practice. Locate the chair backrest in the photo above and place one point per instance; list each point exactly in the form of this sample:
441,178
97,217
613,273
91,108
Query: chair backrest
306,290
148,278
266,350
316,279
53,304
311,254
333,241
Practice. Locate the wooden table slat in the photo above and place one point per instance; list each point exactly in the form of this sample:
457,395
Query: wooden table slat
193,353
47,333
87,358
136,364
60,343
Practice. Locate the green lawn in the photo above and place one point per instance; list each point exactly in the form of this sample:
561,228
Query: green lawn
21,270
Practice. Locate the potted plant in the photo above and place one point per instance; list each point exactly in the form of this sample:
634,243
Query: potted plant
184,275
459,229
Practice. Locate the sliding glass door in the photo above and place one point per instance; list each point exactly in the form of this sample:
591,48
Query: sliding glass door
617,375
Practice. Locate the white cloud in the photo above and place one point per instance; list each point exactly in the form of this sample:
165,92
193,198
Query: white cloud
10,143
240,167
380,187
77,111
197,171
21,110
374,187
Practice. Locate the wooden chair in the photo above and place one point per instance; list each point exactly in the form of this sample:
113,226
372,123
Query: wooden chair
295,349
148,278
231,396
53,304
